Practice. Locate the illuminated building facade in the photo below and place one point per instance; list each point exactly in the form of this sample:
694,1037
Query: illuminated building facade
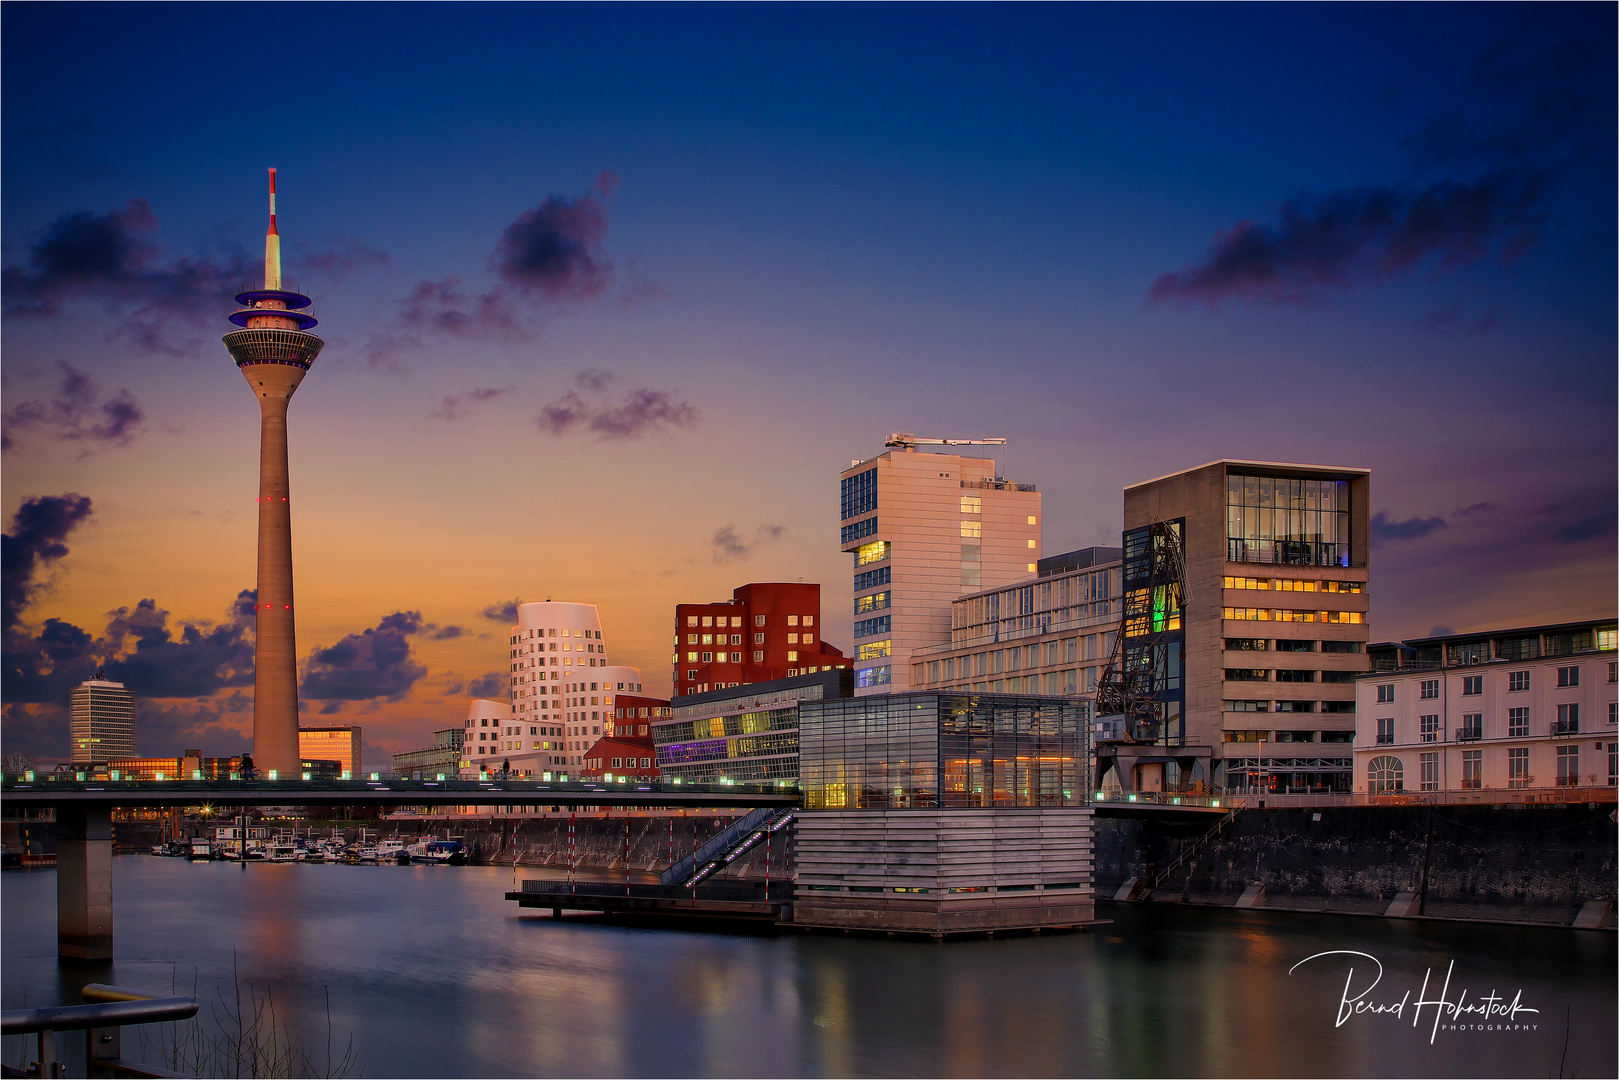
339,744
766,631
747,734
923,529
101,721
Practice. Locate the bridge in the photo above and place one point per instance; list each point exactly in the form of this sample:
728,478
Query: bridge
84,912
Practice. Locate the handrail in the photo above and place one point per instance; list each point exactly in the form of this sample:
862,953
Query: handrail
132,1007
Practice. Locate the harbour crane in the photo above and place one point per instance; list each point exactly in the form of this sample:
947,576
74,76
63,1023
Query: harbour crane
910,441
1154,602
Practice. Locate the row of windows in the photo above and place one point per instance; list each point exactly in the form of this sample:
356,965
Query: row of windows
1295,584
858,494
872,627
876,551
1019,657
871,579
1243,644
859,530
1472,725
1288,675
875,650
1386,774
1248,735
518,639
1248,614
1244,705
719,621
874,602
1473,685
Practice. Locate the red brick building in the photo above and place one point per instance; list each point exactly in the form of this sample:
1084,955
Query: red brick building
633,715
768,630
616,756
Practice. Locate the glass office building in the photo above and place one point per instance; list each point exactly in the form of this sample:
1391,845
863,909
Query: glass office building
943,751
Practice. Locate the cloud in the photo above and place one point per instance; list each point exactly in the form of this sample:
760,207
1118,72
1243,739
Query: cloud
1476,508
1441,631
1586,528
348,255
37,538
446,633
640,412
492,685
555,250
1489,166
1335,239
113,259
375,663
76,412
455,406
504,611
730,546
1385,528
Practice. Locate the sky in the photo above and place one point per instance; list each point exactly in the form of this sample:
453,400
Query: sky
611,293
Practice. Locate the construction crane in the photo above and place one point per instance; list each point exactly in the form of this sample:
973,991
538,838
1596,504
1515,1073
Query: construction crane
1154,606
910,441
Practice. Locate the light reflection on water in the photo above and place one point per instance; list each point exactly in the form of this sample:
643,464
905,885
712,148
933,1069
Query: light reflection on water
437,975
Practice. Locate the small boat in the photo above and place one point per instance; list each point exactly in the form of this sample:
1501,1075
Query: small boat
200,848
280,853
439,853
392,850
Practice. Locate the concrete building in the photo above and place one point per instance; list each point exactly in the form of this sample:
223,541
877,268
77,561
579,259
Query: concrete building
1255,678
339,744
485,736
766,631
1491,717
101,720
925,528
273,351
941,813
747,734
444,756
1050,634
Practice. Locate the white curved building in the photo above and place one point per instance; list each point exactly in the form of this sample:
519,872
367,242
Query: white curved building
486,719
560,697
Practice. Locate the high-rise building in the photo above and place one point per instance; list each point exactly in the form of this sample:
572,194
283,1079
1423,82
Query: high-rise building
925,528
273,350
561,695
767,630
101,719
339,744
1255,676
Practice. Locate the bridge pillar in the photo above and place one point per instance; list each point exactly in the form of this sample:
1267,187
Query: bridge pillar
83,883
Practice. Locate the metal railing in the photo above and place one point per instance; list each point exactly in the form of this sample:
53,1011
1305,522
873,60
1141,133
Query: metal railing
1565,727
111,1009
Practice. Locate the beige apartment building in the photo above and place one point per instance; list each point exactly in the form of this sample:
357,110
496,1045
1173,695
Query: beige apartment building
1049,635
1501,716
923,529
1256,677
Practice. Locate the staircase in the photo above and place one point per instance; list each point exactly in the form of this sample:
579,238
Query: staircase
1196,845
735,840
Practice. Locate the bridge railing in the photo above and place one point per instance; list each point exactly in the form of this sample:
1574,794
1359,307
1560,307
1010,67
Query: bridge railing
221,789
112,1008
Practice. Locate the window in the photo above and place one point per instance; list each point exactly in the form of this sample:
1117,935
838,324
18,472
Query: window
871,579
874,602
708,658
972,504
876,551
1518,767
1568,766
1385,730
809,620
1338,676
1517,680
758,656
1342,646
1245,644
1429,727
1568,676
874,676
1607,639
1568,719
1472,685
1246,674
1247,583
1033,544
858,530
1430,772
1472,726
691,620
859,494
972,528
759,620
708,620
736,639
1472,768
1294,645
1517,722
1384,775
1430,688
792,639
1338,736
1295,706
1033,520
708,639
1286,675
869,651
867,627
1337,706
1247,614
1245,736
1613,671
1385,693
792,620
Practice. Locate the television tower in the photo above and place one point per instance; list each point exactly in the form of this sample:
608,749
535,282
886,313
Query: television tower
274,350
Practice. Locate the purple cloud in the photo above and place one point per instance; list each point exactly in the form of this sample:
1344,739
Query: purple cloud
555,250
375,663
640,412
76,413
1385,528
454,406
39,531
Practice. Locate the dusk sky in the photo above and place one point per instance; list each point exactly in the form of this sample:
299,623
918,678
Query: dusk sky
611,293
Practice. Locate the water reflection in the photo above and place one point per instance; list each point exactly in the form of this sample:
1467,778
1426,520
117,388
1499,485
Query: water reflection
437,975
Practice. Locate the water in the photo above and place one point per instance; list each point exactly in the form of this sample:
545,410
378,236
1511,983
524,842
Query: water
435,974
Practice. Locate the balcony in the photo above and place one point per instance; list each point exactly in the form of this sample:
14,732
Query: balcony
1469,734
1286,552
1565,727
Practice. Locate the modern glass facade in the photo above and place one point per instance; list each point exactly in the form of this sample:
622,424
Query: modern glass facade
943,751
746,734
1293,522
1154,639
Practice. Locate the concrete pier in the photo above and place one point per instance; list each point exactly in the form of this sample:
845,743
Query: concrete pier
83,883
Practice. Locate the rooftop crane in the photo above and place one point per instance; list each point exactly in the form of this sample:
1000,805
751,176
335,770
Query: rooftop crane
1155,598
910,441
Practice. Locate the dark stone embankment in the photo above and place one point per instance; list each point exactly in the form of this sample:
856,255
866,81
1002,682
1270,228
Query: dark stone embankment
1530,863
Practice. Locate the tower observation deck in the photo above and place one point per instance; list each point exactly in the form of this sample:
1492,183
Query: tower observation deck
273,350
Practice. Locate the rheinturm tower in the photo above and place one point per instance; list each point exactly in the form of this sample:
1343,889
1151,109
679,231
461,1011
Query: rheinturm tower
274,349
